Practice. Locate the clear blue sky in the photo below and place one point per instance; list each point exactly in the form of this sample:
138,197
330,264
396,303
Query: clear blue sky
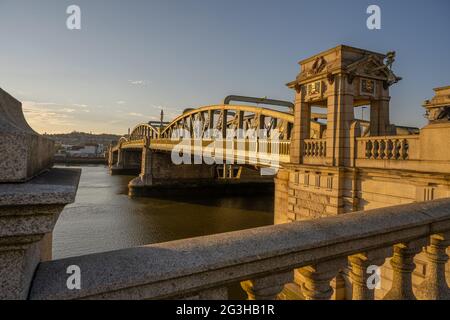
133,57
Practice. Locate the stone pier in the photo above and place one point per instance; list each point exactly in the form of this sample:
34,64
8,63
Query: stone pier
32,195
159,173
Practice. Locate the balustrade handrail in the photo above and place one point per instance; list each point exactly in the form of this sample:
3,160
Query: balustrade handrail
316,140
408,137
186,267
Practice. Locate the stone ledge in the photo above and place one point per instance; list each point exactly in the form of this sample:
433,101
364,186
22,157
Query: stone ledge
57,186
28,214
187,266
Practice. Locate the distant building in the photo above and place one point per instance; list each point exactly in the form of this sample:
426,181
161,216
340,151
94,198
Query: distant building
82,151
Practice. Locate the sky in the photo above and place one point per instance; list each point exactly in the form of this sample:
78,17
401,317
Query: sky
133,58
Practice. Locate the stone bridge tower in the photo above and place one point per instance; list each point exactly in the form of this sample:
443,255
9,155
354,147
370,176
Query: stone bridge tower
337,80
347,170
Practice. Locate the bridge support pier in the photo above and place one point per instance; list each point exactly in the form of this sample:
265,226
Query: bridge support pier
126,162
159,173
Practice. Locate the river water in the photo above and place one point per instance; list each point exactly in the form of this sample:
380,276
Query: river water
104,218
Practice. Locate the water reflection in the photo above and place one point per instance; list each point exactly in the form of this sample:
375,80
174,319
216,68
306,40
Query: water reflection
104,218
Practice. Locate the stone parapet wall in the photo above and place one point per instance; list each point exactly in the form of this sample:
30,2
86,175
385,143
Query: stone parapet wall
264,259
24,153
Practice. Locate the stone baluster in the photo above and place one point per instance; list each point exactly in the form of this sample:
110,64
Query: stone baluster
435,287
368,148
403,149
374,149
379,149
317,278
383,149
267,288
389,148
386,149
359,274
395,149
403,266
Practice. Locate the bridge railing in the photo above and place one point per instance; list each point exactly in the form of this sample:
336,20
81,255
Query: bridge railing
264,260
389,147
314,151
241,150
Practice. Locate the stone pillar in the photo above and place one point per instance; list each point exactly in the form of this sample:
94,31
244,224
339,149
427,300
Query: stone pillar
146,164
32,195
403,266
316,279
340,115
28,214
435,287
379,117
281,196
120,156
267,288
302,124
359,275
110,156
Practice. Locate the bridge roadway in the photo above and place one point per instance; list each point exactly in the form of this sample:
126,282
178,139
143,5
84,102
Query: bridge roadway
245,148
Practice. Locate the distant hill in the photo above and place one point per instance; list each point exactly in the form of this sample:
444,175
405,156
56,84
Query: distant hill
83,138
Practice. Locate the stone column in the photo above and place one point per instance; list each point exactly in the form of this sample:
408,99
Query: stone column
403,266
32,195
340,115
120,157
28,214
110,156
267,288
281,196
359,274
317,278
379,117
302,124
435,287
146,165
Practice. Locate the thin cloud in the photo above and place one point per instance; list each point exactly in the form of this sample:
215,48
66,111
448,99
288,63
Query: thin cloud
46,103
120,102
135,114
68,110
138,82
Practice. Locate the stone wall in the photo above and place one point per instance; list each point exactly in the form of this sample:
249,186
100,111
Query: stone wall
24,152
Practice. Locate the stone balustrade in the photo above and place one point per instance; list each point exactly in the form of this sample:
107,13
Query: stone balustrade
389,147
264,260
315,148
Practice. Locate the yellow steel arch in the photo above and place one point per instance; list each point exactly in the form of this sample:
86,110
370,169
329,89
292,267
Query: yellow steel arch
283,119
144,130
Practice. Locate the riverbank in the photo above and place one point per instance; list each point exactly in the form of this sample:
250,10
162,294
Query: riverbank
73,160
